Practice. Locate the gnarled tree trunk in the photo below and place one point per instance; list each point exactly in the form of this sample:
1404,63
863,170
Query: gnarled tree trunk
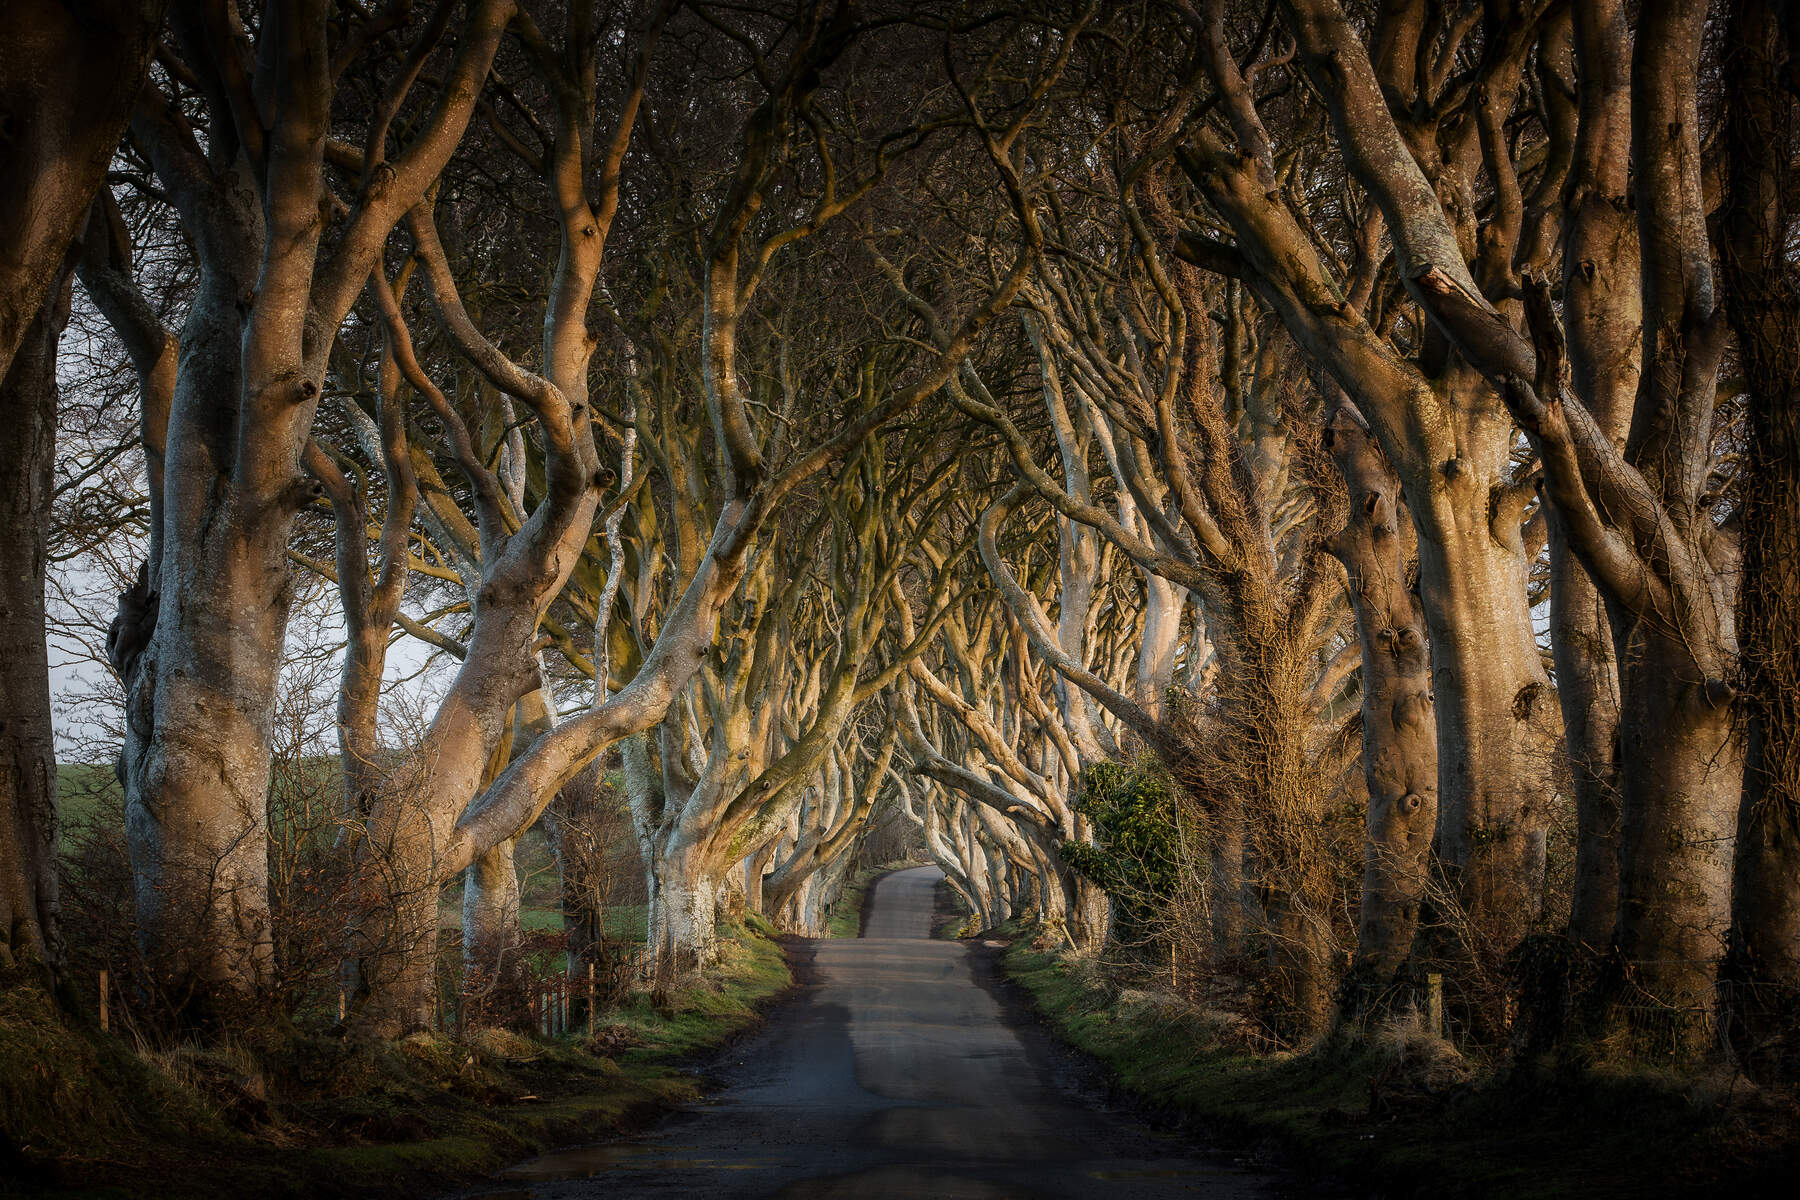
1399,724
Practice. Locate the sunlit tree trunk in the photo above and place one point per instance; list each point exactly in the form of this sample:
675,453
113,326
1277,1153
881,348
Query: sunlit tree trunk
29,908
1398,722
68,79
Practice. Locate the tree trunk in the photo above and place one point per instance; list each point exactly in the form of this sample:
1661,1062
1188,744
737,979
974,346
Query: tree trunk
197,763
359,707
67,84
1587,687
1683,771
1492,704
755,871
198,644
392,968
1603,314
28,882
1225,892
1299,968
1762,291
395,968
1399,724
683,910
570,827
490,915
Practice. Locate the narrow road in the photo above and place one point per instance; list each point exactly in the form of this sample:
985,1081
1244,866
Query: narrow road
895,1075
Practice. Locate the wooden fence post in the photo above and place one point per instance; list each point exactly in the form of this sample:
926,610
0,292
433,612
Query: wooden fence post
1434,1004
105,1015
590,998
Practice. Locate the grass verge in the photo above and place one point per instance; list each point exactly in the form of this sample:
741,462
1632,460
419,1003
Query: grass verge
86,1114
1403,1115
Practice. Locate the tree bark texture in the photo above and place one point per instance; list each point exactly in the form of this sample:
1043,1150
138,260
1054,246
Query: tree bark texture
1399,723
1762,293
29,913
71,72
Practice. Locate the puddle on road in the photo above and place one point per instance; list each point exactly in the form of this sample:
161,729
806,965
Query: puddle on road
584,1162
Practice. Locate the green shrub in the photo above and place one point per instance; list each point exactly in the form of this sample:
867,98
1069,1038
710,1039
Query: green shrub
1135,851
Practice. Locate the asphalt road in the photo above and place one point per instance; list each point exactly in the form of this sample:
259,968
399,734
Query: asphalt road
895,1074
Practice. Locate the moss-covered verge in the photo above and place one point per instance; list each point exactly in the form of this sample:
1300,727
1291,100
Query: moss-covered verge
87,1114
1400,1114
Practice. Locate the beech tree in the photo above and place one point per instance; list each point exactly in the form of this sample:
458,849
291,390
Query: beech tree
1669,566
248,187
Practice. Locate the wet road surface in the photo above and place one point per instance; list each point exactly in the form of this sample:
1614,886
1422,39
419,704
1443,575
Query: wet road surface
896,1074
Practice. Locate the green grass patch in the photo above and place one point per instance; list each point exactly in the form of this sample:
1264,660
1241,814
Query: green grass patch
751,969
1403,1113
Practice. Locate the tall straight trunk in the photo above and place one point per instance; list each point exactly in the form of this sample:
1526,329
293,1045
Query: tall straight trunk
1399,723
29,915
1603,313
1762,993
68,80
200,691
